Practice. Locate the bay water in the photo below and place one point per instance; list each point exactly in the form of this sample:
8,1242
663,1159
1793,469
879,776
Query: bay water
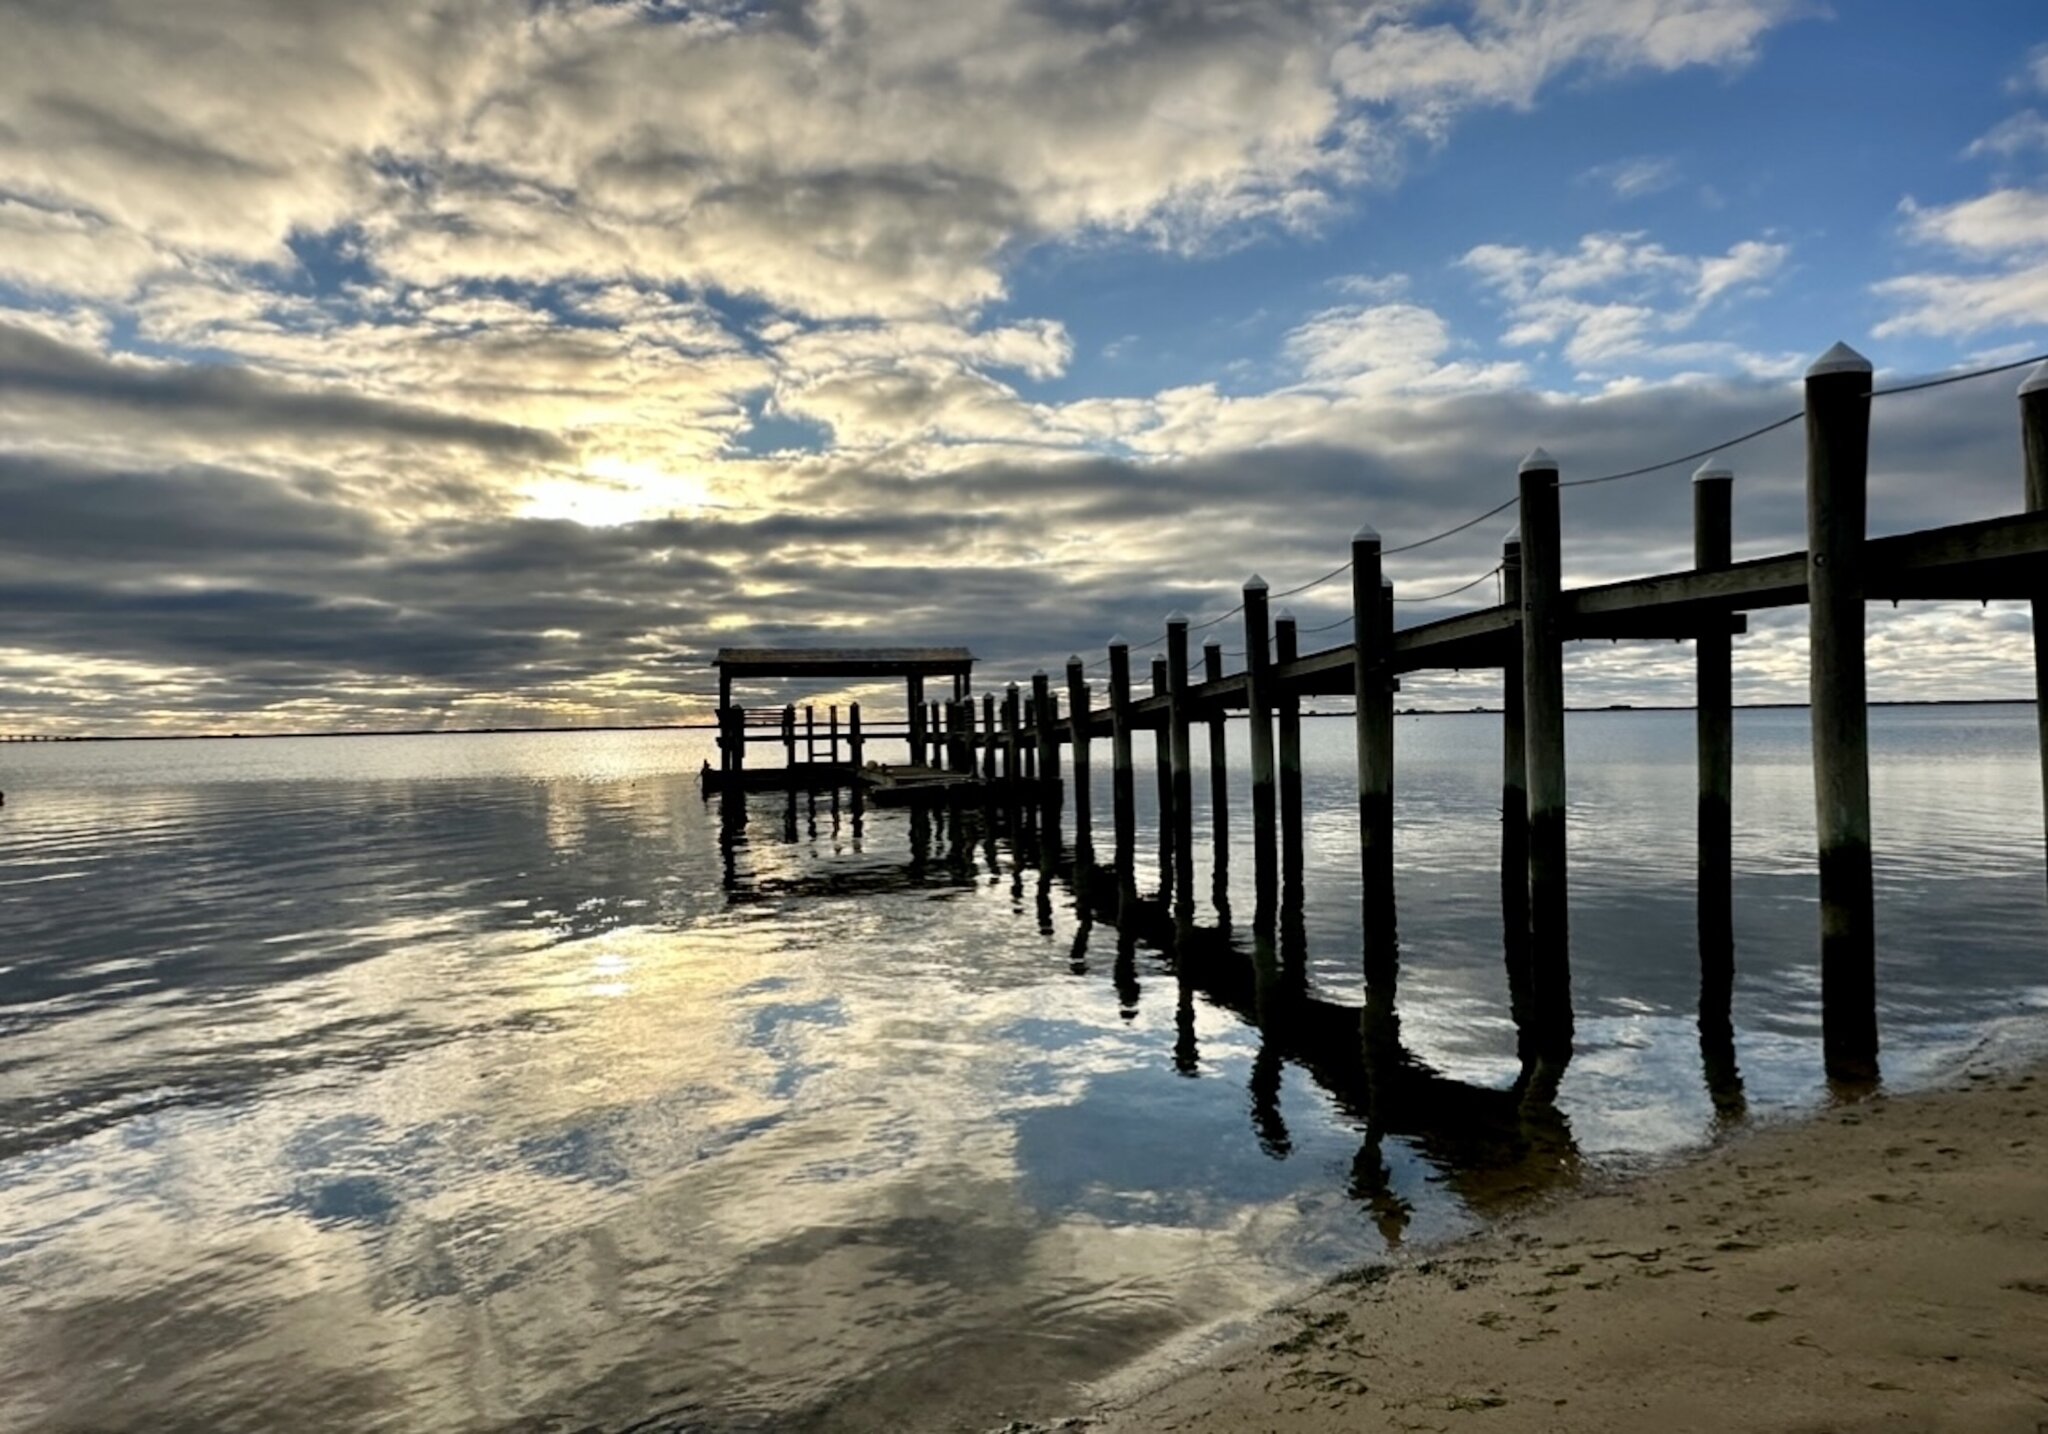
496,1081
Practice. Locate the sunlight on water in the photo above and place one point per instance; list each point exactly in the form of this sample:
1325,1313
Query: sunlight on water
473,1082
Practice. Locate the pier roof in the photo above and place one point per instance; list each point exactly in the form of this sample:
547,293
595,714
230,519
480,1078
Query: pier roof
845,661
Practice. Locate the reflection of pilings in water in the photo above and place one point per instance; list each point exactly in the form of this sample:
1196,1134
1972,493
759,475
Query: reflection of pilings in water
1495,1147
1125,973
920,842
1717,1056
789,817
732,834
1275,987
1187,1056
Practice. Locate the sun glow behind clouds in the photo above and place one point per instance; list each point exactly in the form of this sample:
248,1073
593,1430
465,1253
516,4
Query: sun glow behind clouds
612,491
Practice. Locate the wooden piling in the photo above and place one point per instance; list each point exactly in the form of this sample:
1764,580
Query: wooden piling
1714,723
1287,708
1258,667
1013,756
810,734
1077,720
1543,726
2034,436
832,734
1371,695
1219,759
914,695
1837,474
1123,785
1042,720
1182,758
853,737
789,734
1514,812
1162,751
988,737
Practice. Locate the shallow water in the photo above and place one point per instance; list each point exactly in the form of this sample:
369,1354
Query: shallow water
477,1082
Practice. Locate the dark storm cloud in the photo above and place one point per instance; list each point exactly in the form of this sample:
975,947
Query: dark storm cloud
37,369
75,514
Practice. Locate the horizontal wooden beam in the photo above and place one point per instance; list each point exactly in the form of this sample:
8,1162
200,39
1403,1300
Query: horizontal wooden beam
1991,558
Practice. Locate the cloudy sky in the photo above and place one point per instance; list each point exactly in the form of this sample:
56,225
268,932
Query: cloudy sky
456,362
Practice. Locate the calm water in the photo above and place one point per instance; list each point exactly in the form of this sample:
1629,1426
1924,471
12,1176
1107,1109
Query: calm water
475,1082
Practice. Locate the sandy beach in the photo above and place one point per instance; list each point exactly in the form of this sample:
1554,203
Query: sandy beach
1883,1265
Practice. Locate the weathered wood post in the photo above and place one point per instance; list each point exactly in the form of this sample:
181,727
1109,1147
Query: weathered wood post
1712,548
810,734
789,734
1077,721
1837,474
1013,755
1162,750
1371,676
988,737
1123,786
725,763
832,734
2034,435
1543,725
1219,771
853,737
1514,806
1182,758
1258,669
1042,718
914,695
1286,647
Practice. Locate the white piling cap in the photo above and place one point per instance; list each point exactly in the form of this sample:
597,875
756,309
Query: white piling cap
1254,584
1536,461
1212,642
2036,380
1176,618
1366,533
1514,536
1839,359
1285,615
1074,659
1039,675
1386,582
1709,471
1118,642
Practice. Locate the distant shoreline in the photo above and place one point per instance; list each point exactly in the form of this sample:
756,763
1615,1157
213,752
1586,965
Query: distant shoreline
886,731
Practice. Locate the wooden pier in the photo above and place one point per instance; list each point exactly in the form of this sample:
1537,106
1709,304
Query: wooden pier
1835,576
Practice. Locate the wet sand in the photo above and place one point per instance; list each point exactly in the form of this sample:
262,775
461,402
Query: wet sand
1881,1266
